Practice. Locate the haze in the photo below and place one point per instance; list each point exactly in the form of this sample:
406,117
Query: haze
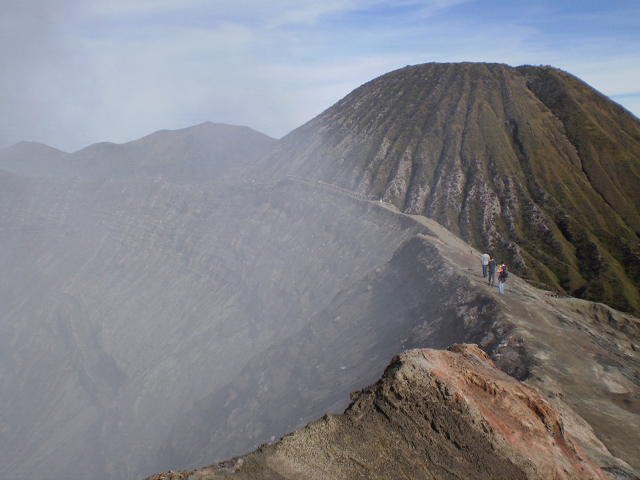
76,73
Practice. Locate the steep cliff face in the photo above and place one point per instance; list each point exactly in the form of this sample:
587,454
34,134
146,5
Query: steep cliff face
122,302
431,293
415,300
143,321
530,164
433,415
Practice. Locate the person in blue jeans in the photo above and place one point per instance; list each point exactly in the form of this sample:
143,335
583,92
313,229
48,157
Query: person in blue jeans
503,273
491,268
484,259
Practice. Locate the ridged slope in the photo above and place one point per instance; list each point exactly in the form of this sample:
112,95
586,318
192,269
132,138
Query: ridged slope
530,164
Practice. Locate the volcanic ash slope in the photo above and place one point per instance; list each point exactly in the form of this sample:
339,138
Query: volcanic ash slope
439,298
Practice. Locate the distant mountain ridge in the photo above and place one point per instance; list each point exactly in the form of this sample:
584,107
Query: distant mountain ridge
195,154
528,163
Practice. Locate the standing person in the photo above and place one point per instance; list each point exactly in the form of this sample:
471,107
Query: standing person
491,267
503,273
484,258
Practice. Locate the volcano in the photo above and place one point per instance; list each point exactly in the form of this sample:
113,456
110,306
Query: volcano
528,163
185,298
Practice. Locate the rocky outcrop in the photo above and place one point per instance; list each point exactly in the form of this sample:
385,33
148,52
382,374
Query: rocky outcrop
414,300
528,163
433,415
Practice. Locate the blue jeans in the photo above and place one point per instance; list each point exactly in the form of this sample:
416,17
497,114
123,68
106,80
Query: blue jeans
484,270
500,286
492,278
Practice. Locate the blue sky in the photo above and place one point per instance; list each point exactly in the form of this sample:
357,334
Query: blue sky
76,72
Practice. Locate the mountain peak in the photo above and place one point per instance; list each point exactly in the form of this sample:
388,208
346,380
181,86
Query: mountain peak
32,147
528,163
199,153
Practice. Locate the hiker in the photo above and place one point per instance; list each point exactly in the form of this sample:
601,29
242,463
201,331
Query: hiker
503,273
484,258
491,267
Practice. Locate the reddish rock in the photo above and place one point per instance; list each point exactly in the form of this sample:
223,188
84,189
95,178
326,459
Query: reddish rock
433,415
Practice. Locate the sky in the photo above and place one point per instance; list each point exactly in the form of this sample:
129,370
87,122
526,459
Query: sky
78,72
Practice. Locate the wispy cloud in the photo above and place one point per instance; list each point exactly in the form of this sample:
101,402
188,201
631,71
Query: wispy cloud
80,72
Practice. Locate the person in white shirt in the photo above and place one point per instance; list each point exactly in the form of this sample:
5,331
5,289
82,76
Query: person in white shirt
485,263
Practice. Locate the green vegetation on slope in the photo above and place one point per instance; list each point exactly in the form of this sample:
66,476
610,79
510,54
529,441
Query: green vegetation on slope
530,164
